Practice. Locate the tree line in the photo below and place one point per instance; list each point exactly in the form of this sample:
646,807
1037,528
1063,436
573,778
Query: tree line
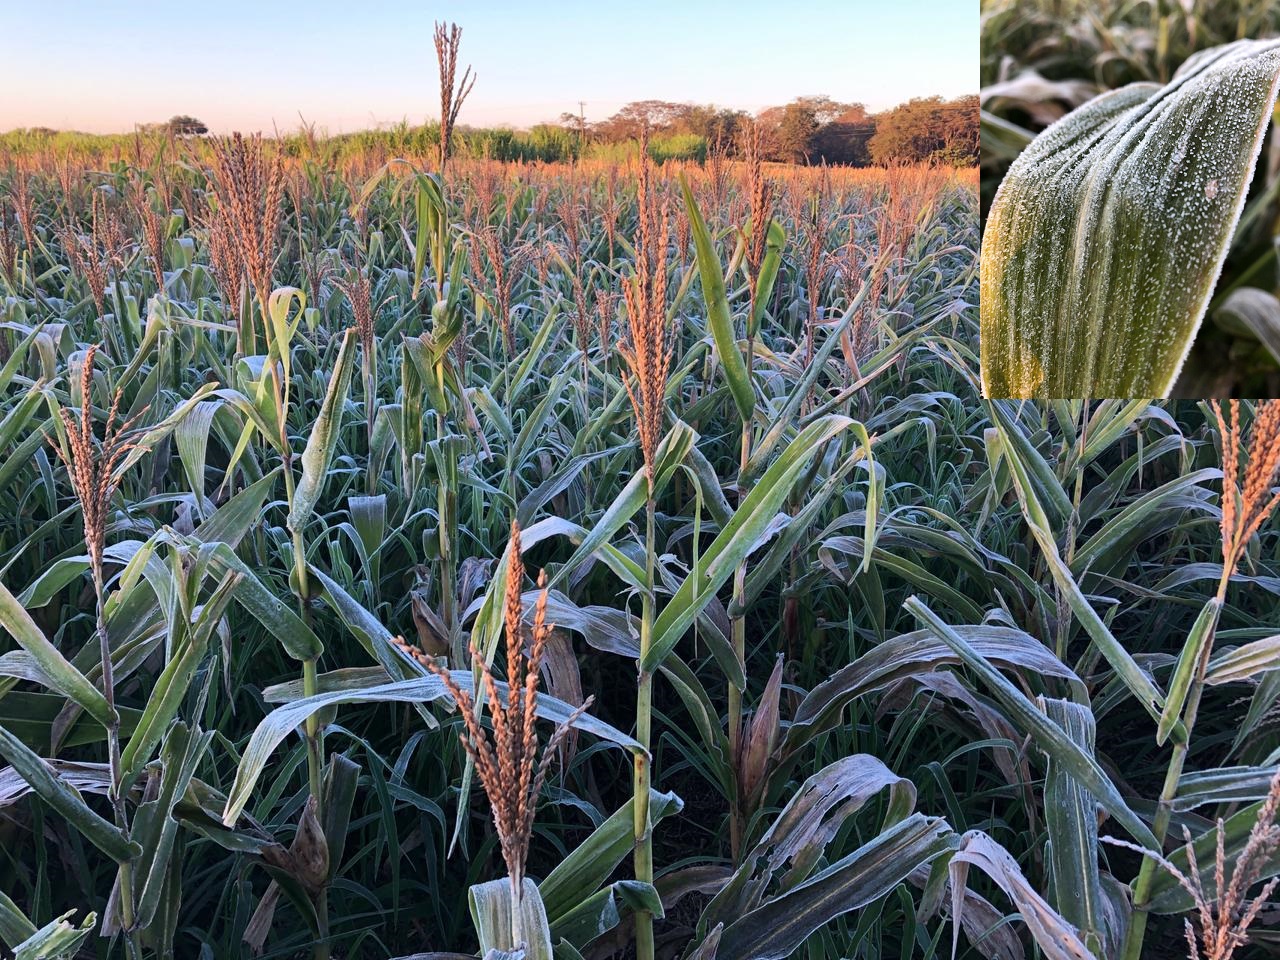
808,130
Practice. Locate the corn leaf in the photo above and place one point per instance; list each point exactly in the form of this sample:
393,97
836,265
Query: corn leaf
1198,646
66,679
57,939
1133,677
14,925
780,925
1109,231
1050,737
738,538
580,874
1071,819
491,910
717,303
324,436
45,783
1056,937
280,722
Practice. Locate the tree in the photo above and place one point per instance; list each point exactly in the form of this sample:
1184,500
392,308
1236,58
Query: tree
928,130
796,131
844,137
182,125
827,110
657,115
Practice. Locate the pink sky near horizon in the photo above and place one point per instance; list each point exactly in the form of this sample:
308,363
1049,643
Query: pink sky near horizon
265,66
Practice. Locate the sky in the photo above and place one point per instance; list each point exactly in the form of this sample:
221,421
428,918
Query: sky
105,66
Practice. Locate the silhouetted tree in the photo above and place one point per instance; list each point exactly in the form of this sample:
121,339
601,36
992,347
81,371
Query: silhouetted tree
795,132
843,138
185,126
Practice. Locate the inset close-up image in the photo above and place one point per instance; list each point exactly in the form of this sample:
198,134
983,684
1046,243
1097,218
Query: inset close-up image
1131,198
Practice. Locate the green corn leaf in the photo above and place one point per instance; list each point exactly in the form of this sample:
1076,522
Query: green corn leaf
66,679
283,720
1071,819
672,450
428,205
580,874
1243,662
602,911
282,331
155,826
369,630
1169,896
738,537
1054,935
341,779
231,521
293,633
794,845
18,356
717,302
780,925
324,436
21,415
170,687
1042,480
1197,648
192,439
45,783
1109,231
775,240
14,925
1197,788
491,910
59,939
1133,677
1048,735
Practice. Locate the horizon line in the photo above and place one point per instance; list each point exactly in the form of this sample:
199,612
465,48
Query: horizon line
302,125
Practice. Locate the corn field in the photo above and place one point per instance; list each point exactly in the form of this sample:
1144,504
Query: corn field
597,560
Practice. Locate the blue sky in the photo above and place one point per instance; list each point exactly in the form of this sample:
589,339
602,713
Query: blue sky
344,66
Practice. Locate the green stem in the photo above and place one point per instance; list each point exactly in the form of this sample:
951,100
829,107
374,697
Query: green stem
310,686
320,949
446,505
309,689
1164,811
125,870
644,719
739,637
370,408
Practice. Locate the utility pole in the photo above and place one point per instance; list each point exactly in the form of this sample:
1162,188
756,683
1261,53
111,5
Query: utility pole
582,127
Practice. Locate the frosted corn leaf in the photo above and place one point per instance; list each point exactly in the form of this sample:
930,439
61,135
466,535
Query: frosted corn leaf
1108,233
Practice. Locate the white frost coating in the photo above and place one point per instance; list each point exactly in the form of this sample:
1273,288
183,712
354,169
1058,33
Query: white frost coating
1057,939
1108,234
